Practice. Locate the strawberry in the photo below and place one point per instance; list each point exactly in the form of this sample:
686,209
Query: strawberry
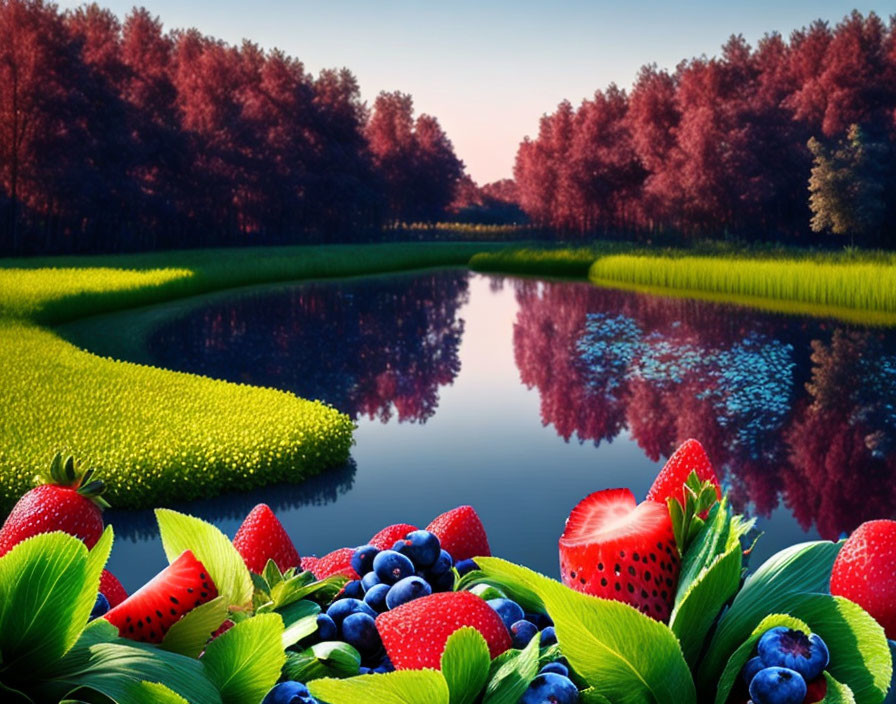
388,536
69,501
111,588
309,563
336,562
865,572
816,690
262,538
669,483
615,548
414,634
461,533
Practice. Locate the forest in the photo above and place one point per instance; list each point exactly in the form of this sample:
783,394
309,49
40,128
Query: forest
116,135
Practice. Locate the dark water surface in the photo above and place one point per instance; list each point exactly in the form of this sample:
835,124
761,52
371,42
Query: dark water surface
522,396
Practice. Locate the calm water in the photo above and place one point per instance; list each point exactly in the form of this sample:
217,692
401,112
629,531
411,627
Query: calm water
520,397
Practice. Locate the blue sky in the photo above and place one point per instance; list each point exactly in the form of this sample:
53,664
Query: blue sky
489,69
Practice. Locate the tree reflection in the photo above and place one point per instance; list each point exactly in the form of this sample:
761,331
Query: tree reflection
791,409
372,347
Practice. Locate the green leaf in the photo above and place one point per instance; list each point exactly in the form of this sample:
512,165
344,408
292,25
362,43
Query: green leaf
154,692
48,586
710,576
592,696
114,668
740,656
479,582
625,655
773,588
245,661
190,635
465,663
401,687
303,586
299,621
326,659
180,532
514,676
837,692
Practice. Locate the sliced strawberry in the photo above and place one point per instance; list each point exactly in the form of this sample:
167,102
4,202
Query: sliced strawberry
149,612
690,457
865,572
336,562
111,588
615,548
461,533
388,536
415,633
262,538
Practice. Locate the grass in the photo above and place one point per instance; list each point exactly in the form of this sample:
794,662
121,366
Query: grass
856,286
158,435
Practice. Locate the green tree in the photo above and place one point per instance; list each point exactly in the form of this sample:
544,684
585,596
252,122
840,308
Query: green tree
847,185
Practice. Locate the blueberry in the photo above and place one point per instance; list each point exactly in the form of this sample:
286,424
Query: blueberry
753,666
362,559
421,546
364,670
509,611
522,632
375,597
443,582
778,685
465,566
326,628
406,590
391,566
557,668
289,693
550,688
369,580
359,631
792,649
385,665
540,620
100,606
352,590
548,636
443,564
343,608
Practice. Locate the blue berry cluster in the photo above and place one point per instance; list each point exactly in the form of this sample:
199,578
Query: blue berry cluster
786,661
100,606
290,692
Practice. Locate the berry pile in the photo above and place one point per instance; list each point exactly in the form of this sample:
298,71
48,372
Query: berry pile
787,668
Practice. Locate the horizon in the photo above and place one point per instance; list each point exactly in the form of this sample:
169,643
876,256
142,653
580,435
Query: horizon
487,118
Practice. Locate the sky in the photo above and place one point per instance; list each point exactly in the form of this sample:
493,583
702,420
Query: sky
489,69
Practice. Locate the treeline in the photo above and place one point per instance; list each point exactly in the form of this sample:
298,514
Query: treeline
728,145
116,135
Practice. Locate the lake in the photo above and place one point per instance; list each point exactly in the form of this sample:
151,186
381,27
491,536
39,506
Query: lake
521,396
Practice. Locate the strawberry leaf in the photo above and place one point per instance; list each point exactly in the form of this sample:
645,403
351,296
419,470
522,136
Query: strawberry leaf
190,635
514,676
401,687
299,621
837,692
326,659
465,665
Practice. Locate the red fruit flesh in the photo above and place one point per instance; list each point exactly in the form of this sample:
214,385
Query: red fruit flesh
336,562
461,533
50,507
149,612
262,537
111,588
865,572
690,457
388,536
615,548
415,633
816,690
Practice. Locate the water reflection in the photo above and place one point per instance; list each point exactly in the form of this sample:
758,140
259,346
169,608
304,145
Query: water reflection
794,410
375,347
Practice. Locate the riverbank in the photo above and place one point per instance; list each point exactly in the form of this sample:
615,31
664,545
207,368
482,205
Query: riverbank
158,435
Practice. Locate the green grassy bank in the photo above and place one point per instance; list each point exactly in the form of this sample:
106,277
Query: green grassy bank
158,435
856,287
